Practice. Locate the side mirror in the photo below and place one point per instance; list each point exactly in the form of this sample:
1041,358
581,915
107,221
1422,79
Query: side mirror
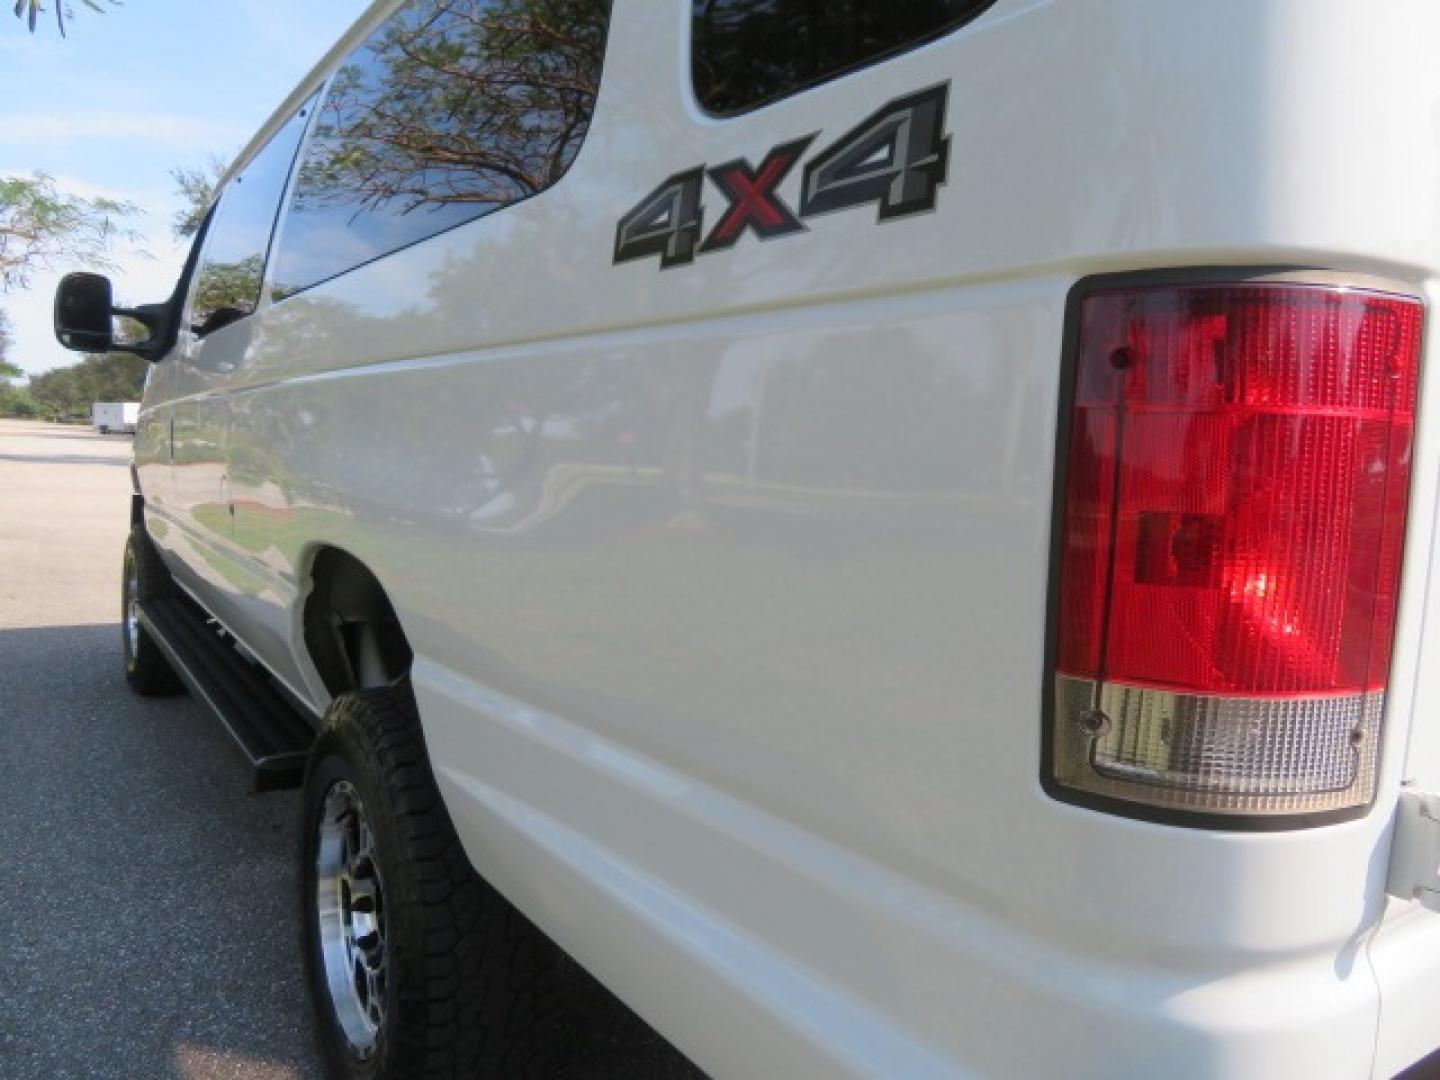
84,310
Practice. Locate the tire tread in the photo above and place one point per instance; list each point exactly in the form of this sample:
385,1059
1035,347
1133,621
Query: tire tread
483,981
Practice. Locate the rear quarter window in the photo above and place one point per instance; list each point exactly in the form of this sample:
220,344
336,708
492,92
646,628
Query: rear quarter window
747,53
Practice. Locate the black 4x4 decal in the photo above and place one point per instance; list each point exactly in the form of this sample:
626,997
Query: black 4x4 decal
896,157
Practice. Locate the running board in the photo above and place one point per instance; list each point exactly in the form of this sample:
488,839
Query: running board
272,733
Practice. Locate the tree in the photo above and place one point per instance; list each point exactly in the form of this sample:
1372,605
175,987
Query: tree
195,189
39,222
8,369
34,7
68,392
16,402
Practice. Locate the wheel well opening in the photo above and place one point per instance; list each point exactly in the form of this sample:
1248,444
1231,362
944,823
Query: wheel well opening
351,631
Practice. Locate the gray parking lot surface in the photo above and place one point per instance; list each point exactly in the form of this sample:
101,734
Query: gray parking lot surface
148,909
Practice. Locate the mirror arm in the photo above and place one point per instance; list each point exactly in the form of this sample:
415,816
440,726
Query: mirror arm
159,320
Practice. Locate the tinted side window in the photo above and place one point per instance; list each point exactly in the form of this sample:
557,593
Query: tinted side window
451,110
227,284
745,53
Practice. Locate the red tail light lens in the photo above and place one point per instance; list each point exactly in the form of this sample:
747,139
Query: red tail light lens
1235,497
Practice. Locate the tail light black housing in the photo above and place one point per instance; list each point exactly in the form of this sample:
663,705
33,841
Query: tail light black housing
1233,475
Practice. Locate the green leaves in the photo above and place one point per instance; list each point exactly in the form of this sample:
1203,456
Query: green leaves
8,370
30,11
66,393
227,287
69,391
195,188
39,223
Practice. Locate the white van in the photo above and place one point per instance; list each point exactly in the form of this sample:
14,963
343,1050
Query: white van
898,535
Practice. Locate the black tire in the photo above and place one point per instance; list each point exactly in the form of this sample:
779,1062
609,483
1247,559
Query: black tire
144,577
104,430
470,985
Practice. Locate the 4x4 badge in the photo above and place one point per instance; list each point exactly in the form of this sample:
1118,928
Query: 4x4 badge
897,158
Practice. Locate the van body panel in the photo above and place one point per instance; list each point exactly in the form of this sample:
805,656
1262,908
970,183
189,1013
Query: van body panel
727,583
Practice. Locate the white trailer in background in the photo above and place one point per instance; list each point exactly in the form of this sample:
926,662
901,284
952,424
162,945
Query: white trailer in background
109,417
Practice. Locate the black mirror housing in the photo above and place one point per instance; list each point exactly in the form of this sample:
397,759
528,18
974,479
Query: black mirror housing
84,312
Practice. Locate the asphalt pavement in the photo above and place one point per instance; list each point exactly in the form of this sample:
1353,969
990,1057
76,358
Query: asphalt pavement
148,907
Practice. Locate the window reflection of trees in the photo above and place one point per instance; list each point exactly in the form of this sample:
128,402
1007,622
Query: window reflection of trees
748,51
226,292
232,263
451,110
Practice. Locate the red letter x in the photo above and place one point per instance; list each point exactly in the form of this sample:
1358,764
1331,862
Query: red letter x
753,201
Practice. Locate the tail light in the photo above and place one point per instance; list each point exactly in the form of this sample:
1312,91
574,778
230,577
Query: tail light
1229,547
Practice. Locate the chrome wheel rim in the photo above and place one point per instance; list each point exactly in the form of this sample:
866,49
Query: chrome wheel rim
132,606
350,906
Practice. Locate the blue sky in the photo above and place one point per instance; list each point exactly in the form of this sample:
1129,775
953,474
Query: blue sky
130,95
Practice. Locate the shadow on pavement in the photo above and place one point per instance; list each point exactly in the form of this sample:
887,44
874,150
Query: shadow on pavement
150,921
67,459
78,434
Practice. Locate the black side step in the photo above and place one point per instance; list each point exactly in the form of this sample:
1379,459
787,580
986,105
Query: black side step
272,733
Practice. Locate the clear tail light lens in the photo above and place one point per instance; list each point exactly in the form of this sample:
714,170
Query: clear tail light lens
1235,497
